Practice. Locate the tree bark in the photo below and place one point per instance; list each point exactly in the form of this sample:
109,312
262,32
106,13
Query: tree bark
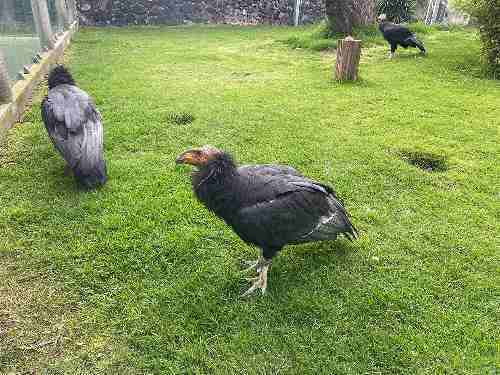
343,15
348,54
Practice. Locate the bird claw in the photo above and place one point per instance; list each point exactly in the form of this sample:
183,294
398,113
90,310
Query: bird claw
260,282
256,285
253,265
253,279
248,263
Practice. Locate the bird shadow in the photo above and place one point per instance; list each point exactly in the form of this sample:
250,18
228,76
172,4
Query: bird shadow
408,56
62,181
296,266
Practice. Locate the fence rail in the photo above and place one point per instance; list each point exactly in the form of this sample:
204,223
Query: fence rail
33,34
28,27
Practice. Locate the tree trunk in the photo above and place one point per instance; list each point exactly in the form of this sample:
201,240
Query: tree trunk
343,15
348,54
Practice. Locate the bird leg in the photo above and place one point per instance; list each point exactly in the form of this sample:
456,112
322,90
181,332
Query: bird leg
260,282
393,50
251,265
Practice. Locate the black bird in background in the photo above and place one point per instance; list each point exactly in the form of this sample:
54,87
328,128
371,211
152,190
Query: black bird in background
398,35
269,206
75,128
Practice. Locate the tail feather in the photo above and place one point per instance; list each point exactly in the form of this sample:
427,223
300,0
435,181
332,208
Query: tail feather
414,42
337,223
93,177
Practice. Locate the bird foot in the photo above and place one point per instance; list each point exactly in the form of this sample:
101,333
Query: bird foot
391,55
252,279
250,265
259,282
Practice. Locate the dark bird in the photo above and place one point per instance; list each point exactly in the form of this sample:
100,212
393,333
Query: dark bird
398,35
75,128
269,206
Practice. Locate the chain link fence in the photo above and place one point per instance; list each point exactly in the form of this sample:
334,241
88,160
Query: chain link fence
28,27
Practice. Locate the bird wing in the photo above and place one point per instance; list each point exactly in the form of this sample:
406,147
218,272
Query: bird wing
69,114
396,33
289,209
268,169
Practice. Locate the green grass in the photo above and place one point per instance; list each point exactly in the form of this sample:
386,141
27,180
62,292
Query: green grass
139,278
320,38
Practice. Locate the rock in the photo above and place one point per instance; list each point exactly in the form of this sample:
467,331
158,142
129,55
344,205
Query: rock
123,12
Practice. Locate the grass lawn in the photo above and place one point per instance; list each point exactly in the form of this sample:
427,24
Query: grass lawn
139,278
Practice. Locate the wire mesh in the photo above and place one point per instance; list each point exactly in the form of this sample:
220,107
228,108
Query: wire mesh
19,41
56,20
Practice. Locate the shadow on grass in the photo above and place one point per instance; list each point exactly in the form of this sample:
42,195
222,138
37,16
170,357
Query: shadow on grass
409,55
297,266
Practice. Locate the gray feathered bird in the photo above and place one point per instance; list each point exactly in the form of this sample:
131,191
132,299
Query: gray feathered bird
75,128
398,35
267,205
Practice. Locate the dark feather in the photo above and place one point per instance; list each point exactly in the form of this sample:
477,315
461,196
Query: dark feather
74,126
399,35
270,205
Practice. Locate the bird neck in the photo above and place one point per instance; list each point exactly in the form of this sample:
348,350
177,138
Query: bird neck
214,185
60,77
217,170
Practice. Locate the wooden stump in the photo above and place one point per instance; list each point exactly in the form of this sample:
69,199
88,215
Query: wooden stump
348,53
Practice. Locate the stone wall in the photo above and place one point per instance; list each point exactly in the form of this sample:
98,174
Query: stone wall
172,12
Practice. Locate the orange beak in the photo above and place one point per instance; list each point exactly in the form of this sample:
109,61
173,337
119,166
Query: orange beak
186,157
197,156
193,157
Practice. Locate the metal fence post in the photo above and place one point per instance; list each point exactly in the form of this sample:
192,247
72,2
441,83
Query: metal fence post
296,18
5,89
42,22
72,10
62,14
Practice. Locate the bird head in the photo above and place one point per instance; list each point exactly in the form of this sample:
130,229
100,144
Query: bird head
60,75
199,157
382,17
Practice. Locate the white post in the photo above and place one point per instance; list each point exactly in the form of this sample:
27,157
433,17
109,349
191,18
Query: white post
42,22
72,10
5,89
298,3
428,12
435,11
